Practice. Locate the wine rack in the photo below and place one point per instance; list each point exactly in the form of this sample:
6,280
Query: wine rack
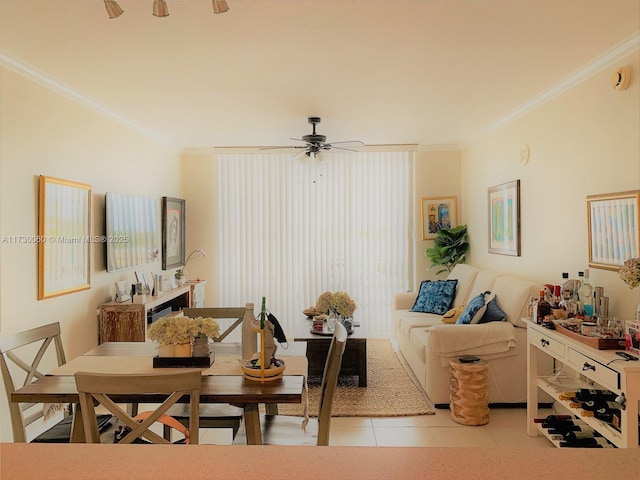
593,368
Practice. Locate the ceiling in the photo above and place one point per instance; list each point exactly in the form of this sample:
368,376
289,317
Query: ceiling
381,71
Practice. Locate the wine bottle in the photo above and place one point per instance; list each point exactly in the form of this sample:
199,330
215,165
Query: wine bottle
564,424
584,394
553,419
263,312
565,429
572,435
594,442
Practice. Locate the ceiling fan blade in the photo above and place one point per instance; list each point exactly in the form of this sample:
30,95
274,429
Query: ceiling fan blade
349,141
289,147
344,149
297,139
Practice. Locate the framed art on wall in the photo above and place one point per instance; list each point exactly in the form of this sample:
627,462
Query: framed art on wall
504,218
613,226
438,213
173,218
64,213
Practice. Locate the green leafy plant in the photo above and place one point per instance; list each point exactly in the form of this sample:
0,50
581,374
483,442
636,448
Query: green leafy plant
450,248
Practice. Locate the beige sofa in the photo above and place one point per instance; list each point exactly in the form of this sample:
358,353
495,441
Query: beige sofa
428,344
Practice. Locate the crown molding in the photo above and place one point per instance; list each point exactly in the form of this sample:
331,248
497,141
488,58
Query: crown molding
32,73
621,50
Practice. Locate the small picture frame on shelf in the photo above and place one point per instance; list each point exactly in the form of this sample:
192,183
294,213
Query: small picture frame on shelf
121,292
142,280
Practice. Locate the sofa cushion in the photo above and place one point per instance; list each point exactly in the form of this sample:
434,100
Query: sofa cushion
419,338
474,311
493,312
484,281
515,294
452,315
435,296
465,274
410,320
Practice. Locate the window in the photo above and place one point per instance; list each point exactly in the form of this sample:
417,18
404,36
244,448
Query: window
292,229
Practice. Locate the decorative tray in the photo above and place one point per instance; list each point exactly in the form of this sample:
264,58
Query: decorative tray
184,362
325,332
594,342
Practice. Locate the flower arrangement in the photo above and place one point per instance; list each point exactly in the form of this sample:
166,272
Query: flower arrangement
630,272
182,271
339,302
178,330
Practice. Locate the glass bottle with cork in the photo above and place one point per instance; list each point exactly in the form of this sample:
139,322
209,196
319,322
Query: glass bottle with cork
585,293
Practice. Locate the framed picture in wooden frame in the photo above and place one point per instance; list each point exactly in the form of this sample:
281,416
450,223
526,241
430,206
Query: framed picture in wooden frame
613,227
64,237
504,218
173,218
438,213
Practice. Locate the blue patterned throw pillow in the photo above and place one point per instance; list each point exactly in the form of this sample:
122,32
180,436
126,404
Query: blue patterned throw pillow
493,313
474,311
435,296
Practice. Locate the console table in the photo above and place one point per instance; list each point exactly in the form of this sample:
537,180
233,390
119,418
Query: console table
601,369
127,322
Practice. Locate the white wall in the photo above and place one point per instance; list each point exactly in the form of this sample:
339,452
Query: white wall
586,141
43,133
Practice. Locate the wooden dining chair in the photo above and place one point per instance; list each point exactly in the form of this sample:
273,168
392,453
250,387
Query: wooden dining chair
102,388
287,430
20,356
214,415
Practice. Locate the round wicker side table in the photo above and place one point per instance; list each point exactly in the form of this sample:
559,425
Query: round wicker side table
469,399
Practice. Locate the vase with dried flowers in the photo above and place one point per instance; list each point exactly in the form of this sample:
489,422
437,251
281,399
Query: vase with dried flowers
339,302
630,274
182,331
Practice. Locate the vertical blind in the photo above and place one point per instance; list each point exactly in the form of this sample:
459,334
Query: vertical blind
292,229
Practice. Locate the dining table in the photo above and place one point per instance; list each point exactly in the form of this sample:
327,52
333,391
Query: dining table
222,382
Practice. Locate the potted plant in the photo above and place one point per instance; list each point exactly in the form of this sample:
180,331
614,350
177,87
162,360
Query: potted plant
450,248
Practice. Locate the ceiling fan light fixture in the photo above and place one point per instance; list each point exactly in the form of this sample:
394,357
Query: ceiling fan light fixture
112,8
160,8
220,6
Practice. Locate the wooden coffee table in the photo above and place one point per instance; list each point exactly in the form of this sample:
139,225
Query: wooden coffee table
354,360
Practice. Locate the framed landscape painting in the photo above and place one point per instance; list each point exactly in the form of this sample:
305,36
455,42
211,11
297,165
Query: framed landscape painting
64,214
504,218
438,213
613,225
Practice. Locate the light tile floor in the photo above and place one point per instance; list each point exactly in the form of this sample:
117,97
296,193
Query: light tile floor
506,429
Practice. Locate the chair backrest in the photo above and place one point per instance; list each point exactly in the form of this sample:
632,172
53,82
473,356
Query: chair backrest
330,381
102,387
234,313
12,358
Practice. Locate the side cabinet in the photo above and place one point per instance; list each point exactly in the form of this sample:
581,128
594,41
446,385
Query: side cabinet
127,322
593,368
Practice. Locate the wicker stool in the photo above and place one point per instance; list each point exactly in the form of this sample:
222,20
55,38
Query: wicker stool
469,396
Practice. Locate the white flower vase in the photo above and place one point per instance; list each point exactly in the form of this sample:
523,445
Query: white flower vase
201,347
638,313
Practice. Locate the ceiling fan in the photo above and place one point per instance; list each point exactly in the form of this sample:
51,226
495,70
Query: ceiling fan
316,145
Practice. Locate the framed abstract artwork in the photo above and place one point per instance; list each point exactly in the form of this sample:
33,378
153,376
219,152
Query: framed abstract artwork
173,218
504,218
438,213
613,226
64,237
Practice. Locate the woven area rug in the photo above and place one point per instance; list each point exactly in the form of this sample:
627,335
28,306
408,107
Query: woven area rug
390,390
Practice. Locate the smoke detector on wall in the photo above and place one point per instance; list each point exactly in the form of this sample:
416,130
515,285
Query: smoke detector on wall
621,78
